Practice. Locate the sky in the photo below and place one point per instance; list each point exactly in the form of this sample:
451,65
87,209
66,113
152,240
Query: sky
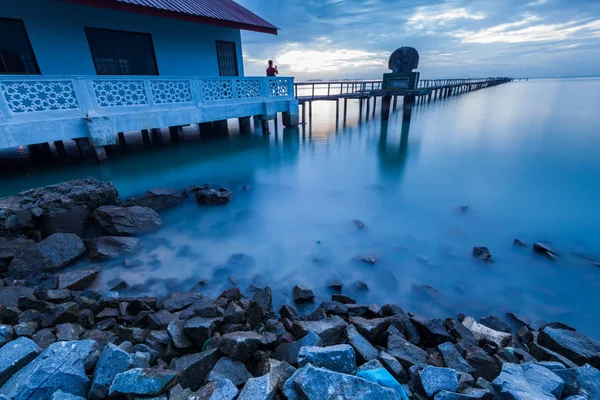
330,39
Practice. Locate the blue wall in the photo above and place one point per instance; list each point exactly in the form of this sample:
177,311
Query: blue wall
57,35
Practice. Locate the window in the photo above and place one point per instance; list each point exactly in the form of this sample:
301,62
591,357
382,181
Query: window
227,59
121,53
16,54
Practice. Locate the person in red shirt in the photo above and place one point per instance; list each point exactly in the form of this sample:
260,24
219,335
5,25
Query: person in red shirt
272,70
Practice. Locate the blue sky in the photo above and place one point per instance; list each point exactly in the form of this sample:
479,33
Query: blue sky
354,38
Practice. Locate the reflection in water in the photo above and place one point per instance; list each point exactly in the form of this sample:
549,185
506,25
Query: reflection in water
502,151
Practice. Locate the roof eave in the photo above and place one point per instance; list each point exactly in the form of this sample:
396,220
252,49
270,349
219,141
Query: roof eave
175,15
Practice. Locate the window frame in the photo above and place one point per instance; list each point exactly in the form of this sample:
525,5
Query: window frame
35,61
149,35
237,67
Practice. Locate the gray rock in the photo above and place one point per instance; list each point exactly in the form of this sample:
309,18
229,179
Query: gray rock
544,248
279,372
180,339
495,323
179,393
338,358
200,329
435,379
463,335
107,247
288,352
320,384
575,346
482,253
584,381
193,368
302,294
179,300
220,390
528,381
44,338
160,319
80,279
227,368
484,365
382,377
142,348
64,220
329,330
8,248
213,196
142,381
433,332
158,199
473,394
373,364
66,332
262,388
60,395
393,366
10,295
240,345
141,360
26,329
264,298
407,353
52,253
453,359
15,355
59,367
364,349
127,221
112,362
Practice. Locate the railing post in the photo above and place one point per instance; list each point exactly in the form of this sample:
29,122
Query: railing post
291,85
264,88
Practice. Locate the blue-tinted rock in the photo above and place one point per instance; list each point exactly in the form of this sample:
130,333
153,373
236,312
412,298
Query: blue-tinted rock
227,368
393,366
382,377
112,362
329,329
435,379
321,384
15,355
584,381
363,347
528,381
261,388
140,381
240,345
453,359
177,334
474,394
576,347
6,334
193,368
338,358
576,398
60,395
59,367
288,352
127,221
219,390
373,364
407,353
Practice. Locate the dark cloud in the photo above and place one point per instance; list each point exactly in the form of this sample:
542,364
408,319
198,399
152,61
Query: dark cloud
352,38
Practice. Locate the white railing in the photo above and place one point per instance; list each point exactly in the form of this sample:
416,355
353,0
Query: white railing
35,97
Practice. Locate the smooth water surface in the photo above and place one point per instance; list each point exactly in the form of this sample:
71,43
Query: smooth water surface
523,156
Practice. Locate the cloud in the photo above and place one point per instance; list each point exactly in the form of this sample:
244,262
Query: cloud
428,17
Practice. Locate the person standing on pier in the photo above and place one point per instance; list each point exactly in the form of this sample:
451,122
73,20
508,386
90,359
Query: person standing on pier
272,70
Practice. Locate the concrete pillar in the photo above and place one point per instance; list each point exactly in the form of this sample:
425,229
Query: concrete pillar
83,146
122,142
100,153
265,126
245,126
289,119
60,148
221,127
207,129
257,122
303,113
385,107
156,135
146,137
368,107
41,151
374,105
176,133
395,102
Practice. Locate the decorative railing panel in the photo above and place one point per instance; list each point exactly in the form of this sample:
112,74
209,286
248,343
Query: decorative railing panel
33,96
247,89
114,93
171,91
278,87
218,89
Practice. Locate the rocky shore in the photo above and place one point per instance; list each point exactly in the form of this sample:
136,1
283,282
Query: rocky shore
61,340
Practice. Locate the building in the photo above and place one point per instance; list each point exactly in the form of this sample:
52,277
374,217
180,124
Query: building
89,69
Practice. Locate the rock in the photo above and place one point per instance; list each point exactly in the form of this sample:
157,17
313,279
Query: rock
63,313
584,381
302,294
361,286
453,359
10,295
288,352
372,329
59,367
158,199
15,355
240,345
52,253
382,377
233,370
142,381
26,328
220,390
235,314
484,365
141,360
44,338
482,332
434,379
60,395
127,221
64,220
432,332
367,259
329,330
67,332
519,243
519,319
79,279
495,323
338,358
288,312
179,300
194,368
528,381
545,249
407,353
340,298
108,313
359,224
112,362
334,284
320,384
463,335
470,394
175,330
200,329
363,348
213,196
179,393
393,366
264,298
9,248
575,346
160,320
107,247
483,254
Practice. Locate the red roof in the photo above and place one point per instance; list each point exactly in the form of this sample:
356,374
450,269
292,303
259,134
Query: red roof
226,13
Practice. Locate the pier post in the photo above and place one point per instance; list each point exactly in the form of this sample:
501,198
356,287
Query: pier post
221,127
146,137
265,126
60,148
122,142
289,119
206,129
83,146
360,108
337,110
407,107
176,133
374,105
395,102
100,153
385,107
245,126
345,109
156,135
368,107
303,113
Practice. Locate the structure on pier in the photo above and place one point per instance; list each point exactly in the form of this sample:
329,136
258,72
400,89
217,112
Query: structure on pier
90,69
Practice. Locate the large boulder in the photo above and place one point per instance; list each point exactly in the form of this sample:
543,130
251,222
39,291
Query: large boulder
575,346
143,382
288,352
338,358
9,248
433,332
528,381
453,359
158,199
435,379
213,196
228,368
583,381
112,362
382,377
240,345
52,253
362,346
59,367
193,368
10,295
15,355
107,247
407,353
79,279
482,332
127,221
65,220
218,390
329,329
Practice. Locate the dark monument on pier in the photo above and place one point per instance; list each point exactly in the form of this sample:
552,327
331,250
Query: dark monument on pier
402,62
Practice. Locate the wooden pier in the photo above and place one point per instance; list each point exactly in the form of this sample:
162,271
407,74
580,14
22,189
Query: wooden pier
364,90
